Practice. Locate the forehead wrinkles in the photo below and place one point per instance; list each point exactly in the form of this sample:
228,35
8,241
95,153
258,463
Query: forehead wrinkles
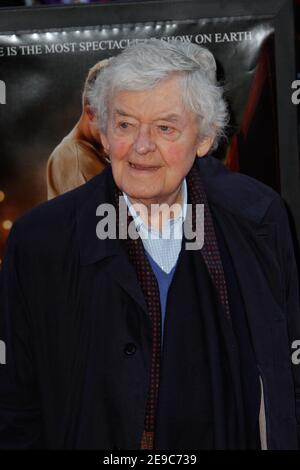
162,100
171,118
173,115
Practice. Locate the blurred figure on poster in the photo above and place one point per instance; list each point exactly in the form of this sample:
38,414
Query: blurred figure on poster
80,155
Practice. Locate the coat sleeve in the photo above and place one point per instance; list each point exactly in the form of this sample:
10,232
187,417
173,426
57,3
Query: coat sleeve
293,312
291,287
20,417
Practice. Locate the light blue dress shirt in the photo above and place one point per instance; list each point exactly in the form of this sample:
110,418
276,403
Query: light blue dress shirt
163,246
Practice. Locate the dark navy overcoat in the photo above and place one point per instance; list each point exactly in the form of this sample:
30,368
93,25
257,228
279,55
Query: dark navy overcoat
71,309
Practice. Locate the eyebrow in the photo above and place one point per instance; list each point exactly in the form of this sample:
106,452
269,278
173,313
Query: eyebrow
123,113
169,118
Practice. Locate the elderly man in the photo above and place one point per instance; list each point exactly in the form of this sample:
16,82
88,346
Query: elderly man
80,155
122,338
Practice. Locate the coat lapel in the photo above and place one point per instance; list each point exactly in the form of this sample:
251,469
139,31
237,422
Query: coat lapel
110,251
260,280
124,274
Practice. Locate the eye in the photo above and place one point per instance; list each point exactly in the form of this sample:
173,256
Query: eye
165,129
124,125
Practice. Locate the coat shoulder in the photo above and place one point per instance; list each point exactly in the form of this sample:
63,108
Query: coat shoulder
55,219
235,192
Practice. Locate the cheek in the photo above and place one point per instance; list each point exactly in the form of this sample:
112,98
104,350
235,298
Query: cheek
179,157
119,149
119,146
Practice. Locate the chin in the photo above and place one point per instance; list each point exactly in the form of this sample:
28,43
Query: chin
141,195
141,192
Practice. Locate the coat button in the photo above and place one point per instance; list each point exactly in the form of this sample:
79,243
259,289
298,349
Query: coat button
130,349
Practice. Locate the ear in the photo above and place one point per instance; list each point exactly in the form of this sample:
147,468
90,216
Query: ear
204,145
89,112
104,141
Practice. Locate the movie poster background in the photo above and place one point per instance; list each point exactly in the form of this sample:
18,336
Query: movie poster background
44,73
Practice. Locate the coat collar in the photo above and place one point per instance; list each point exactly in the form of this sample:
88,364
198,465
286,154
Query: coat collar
237,194
100,189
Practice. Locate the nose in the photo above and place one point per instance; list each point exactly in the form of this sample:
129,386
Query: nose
144,142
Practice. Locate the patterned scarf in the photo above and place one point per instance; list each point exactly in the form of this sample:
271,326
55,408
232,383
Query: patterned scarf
147,280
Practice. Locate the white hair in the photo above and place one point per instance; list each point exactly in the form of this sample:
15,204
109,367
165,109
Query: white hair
144,65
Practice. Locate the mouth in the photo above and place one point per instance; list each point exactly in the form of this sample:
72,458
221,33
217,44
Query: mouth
143,168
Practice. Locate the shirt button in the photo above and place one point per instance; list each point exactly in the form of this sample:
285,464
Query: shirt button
130,349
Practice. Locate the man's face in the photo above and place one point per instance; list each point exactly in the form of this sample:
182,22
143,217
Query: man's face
152,140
